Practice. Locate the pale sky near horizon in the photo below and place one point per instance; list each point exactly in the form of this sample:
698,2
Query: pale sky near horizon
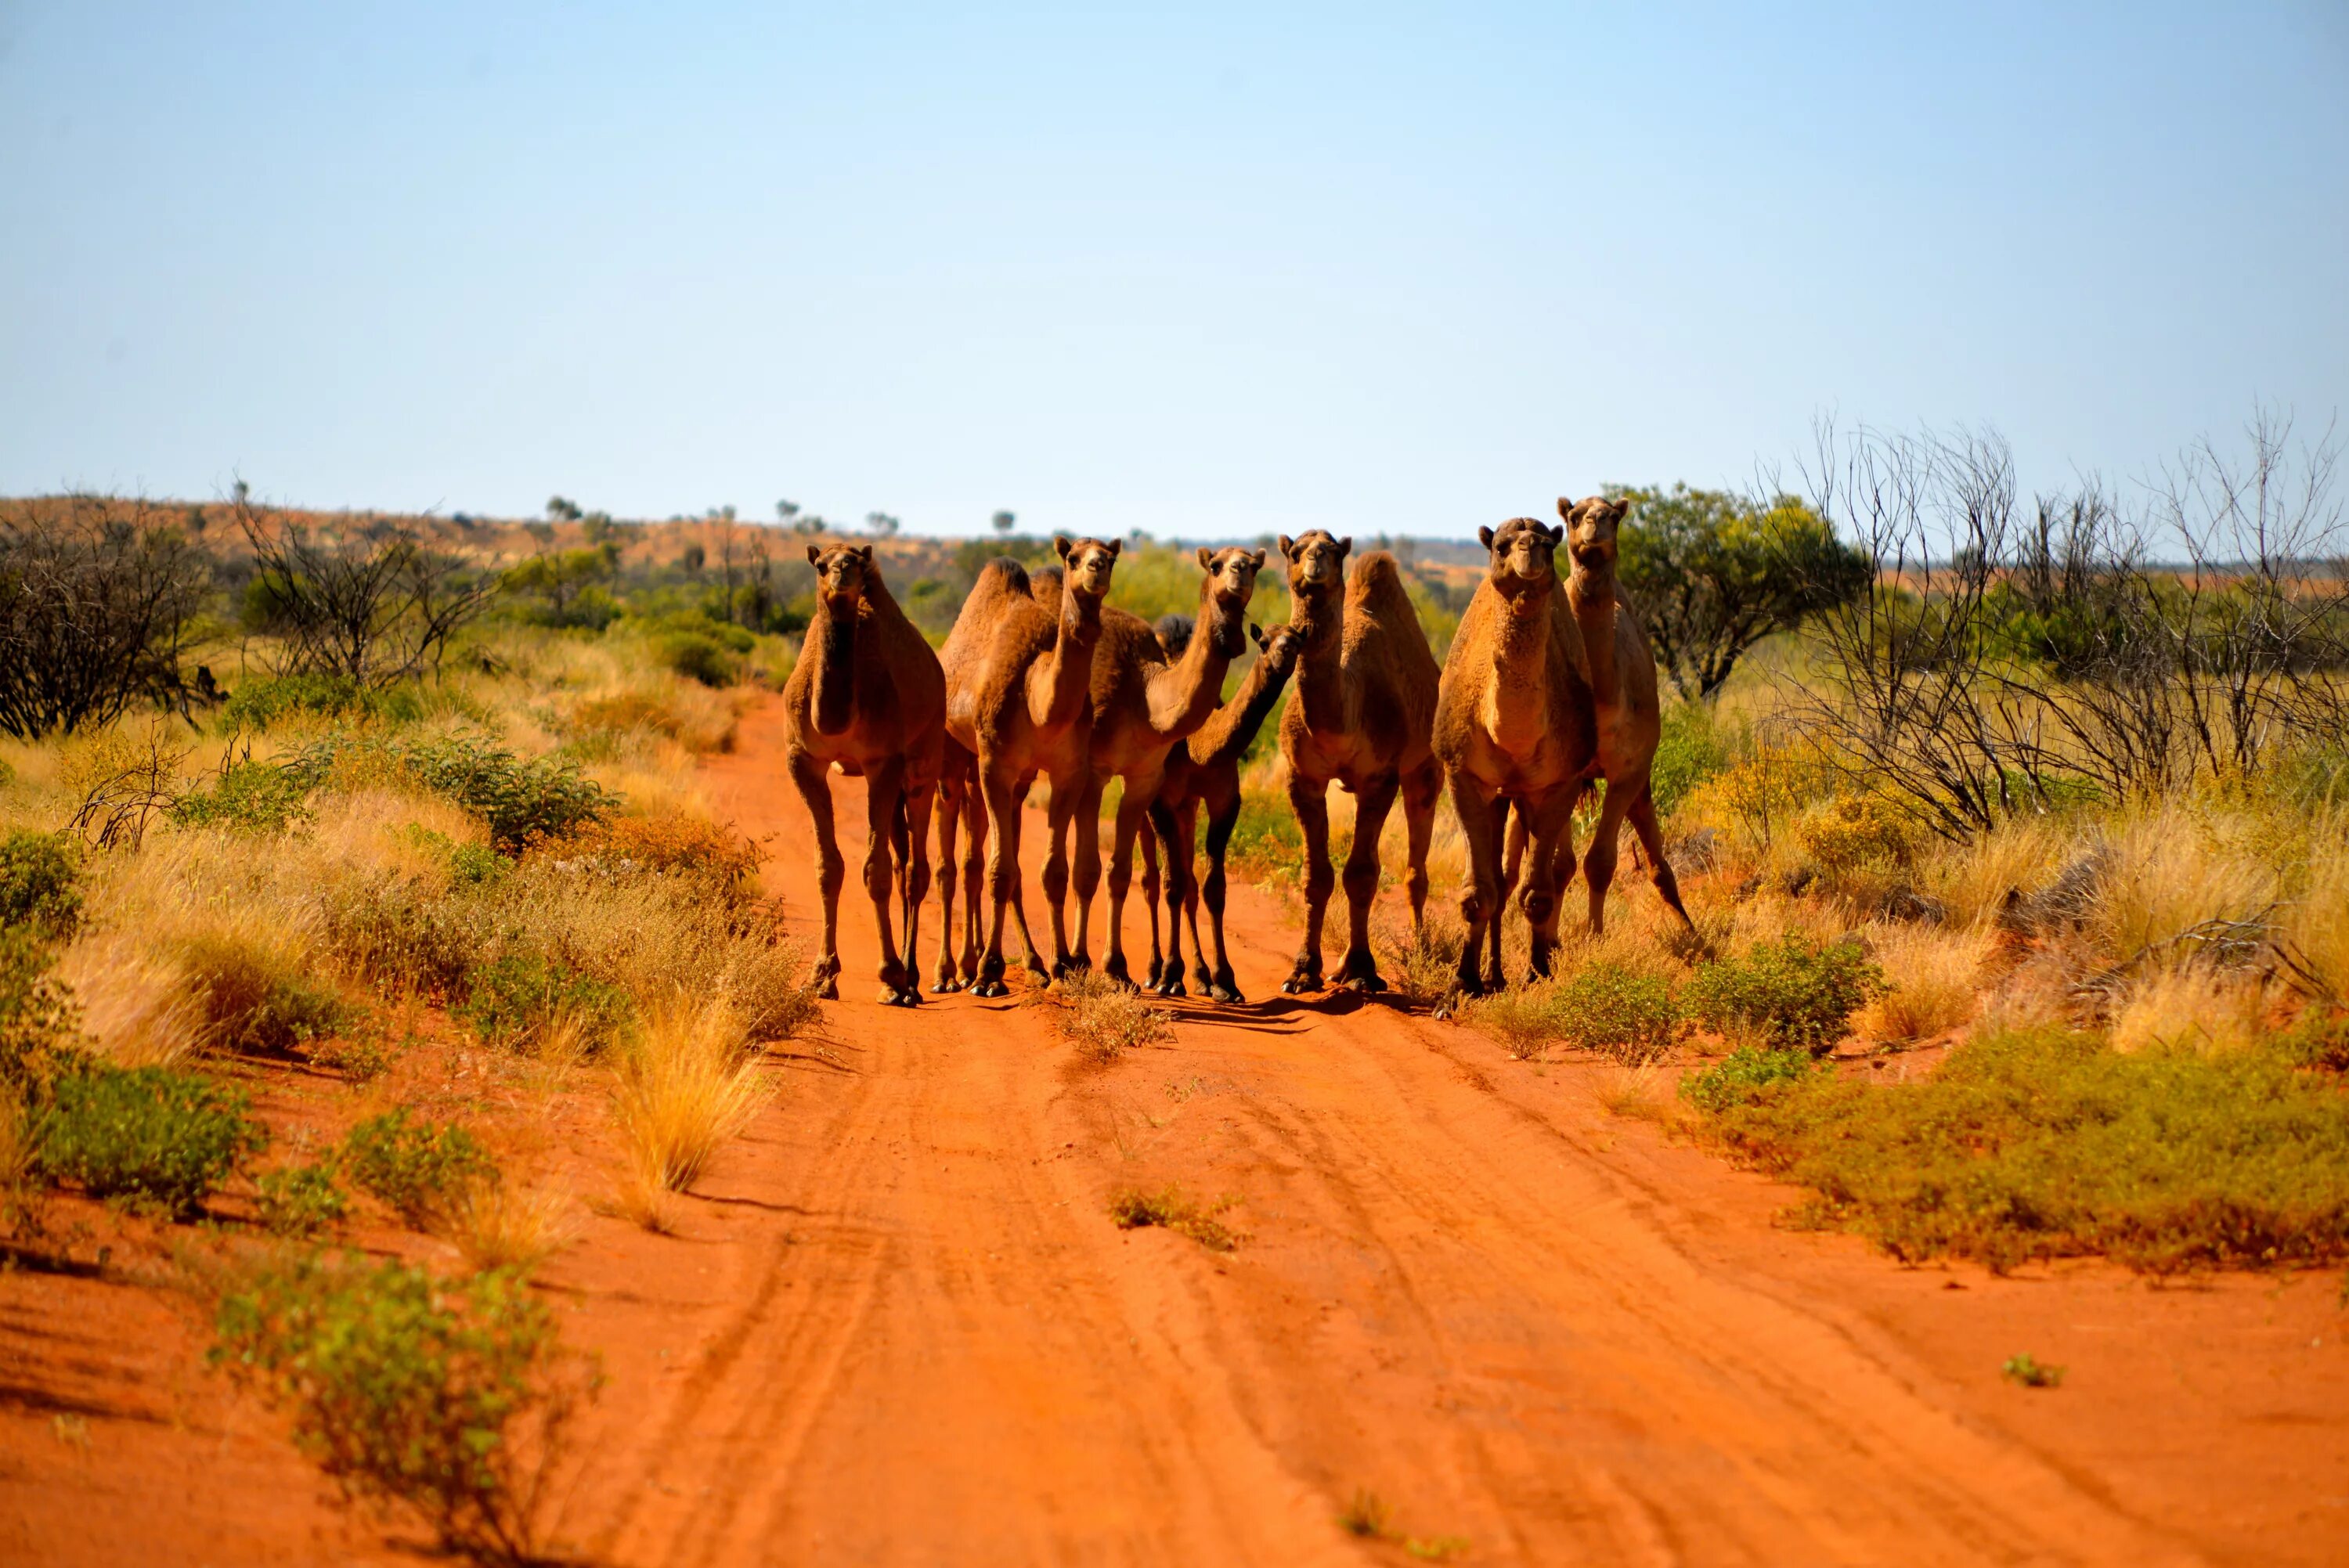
1209,273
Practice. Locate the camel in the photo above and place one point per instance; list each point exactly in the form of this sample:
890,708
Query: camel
1204,771
1358,716
1513,726
959,807
1626,715
1019,676
1146,704
866,696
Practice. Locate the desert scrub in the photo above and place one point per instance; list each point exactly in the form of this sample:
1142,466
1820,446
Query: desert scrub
38,1033
1631,1014
300,1201
248,797
40,883
688,1083
1135,1209
1791,994
522,801
1102,1018
256,997
1744,1075
422,1171
2048,1143
449,1396
147,1134
516,1000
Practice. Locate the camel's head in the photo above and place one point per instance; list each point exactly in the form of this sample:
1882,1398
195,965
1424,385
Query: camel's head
841,572
1590,527
1087,563
1278,648
1224,596
1317,562
1524,554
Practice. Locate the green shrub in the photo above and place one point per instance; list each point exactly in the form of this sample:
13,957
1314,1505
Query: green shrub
697,656
289,1013
449,1397
1793,994
515,999
1688,752
416,1169
1745,1075
1266,840
2049,1143
1623,1012
521,801
254,797
301,1200
147,1133
262,701
38,1038
39,877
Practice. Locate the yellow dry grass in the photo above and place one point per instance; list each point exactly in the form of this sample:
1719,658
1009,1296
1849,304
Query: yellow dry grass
497,1224
1936,974
687,1084
139,1007
2187,1006
2169,870
2314,928
1972,881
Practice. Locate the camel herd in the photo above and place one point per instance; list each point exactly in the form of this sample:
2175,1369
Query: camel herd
1549,689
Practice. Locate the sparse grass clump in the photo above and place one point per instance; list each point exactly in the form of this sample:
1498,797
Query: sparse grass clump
1102,1018
1791,994
2041,1144
688,1083
1939,984
521,800
1632,1014
147,1134
449,1396
420,1171
1133,1210
257,995
139,1008
2033,1373
40,887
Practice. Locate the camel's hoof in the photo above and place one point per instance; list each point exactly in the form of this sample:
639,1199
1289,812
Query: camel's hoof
1172,987
1157,974
943,984
1115,969
995,988
829,989
1228,995
900,996
1366,984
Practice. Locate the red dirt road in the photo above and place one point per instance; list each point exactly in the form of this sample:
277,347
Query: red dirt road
899,1327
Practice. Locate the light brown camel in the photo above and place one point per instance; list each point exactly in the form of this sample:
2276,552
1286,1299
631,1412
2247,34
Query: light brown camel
1146,704
1358,716
1018,671
960,809
1513,726
1204,771
1626,716
867,696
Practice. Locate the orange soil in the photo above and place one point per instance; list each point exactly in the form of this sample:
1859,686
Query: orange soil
898,1328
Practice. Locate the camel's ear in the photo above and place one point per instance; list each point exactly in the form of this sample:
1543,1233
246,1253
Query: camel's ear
1206,560
1256,558
864,554
1623,507
1565,509
1345,546
1484,537
1115,546
1288,547
1258,633
1061,543
815,554
1556,535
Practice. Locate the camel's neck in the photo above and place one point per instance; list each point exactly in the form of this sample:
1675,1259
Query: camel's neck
1184,694
1232,728
1590,594
832,642
1519,695
1321,674
1062,680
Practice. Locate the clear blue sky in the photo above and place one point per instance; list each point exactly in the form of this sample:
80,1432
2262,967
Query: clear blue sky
1209,272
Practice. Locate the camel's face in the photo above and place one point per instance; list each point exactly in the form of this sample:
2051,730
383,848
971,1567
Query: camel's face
1317,562
841,574
1086,564
1591,525
1231,583
1524,554
1280,647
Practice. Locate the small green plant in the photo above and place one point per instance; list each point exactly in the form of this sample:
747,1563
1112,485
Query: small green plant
39,877
1623,1012
516,999
697,658
1688,752
1365,1516
1792,994
1745,1075
1102,1018
419,1169
301,1200
449,1397
149,1134
1134,1210
251,796
1436,1548
2033,1373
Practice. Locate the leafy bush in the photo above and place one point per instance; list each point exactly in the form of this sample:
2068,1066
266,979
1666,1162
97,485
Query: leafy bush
522,801
417,1169
697,656
261,702
2048,1143
1688,752
451,1397
301,1200
40,876
1743,1077
148,1133
1623,1012
255,797
1790,994
515,999
1855,829
37,1018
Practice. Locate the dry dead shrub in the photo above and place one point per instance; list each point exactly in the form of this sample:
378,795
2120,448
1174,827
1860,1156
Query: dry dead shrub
1936,974
1102,1018
136,1005
502,1225
687,1085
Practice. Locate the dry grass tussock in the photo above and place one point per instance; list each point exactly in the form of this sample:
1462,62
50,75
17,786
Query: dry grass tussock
2169,870
503,1225
1641,1090
1102,1018
139,1006
687,1083
1936,974
1972,882
2191,1006
2314,928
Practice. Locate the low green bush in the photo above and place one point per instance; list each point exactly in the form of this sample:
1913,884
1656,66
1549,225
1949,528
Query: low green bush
38,1036
2048,1143
1743,1076
698,657
40,888
1689,750
1623,1012
252,796
301,1200
515,999
448,1396
150,1134
414,1168
1792,994
263,700
522,801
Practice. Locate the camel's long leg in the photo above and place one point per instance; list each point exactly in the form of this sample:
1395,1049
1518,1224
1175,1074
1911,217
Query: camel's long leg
1361,970
1132,803
1002,873
1642,817
974,875
1076,805
1173,826
1480,896
1222,816
1420,793
1145,844
915,876
951,790
1606,842
1309,799
884,803
1550,825
830,870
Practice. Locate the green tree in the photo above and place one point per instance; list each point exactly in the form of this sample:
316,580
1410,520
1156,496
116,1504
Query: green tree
1714,574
